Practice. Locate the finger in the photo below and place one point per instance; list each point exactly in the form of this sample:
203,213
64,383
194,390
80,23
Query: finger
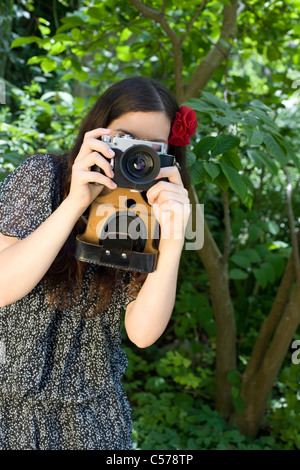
172,173
96,133
165,196
90,143
154,191
94,158
170,206
95,177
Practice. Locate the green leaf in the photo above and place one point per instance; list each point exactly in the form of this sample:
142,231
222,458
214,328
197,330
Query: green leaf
262,250
261,160
211,98
260,112
58,48
205,145
48,65
275,150
239,404
254,232
123,53
221,181
245,258
241,260
261,105
256,138
237,274
231,158
199,105
276,244
63,38
95,13
273,53
273,227
251,254
45,31
126,33
277,262
251,119
36,59
72,20
197,172
212,169
155,384
190,158
291,154
76,34
233,377
265,273
224,143
235,181
20,41
69,22
223,121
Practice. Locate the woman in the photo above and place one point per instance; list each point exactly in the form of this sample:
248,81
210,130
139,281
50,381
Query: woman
60,319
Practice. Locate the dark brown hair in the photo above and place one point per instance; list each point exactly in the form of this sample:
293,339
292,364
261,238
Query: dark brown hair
135,94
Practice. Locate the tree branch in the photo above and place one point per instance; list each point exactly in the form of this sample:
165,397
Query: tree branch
159,17
271,322
183,38
257,392
216,55
163,8
291,218
227,226
217,272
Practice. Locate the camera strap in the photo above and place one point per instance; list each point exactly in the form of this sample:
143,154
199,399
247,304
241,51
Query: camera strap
112,254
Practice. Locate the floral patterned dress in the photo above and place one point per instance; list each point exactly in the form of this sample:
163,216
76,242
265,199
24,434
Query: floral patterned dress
60,371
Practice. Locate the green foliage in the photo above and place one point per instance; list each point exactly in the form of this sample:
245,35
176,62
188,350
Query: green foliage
284,408
254,143
167,412
45,122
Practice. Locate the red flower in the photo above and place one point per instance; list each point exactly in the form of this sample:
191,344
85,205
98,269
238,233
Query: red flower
184,126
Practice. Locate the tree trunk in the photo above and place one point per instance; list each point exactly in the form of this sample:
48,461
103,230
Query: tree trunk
256,390
217,273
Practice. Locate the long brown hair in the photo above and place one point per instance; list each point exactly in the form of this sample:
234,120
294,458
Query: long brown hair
129,95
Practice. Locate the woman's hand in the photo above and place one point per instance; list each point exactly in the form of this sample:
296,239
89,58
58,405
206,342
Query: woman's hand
170,203
82,192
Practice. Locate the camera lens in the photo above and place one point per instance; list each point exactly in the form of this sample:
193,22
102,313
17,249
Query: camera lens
140,164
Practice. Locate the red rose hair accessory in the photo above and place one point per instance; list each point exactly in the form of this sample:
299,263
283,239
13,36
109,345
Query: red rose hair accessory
184,126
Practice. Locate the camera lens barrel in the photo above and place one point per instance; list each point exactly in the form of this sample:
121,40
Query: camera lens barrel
140,164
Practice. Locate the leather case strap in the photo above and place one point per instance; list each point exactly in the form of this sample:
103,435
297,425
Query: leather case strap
110,255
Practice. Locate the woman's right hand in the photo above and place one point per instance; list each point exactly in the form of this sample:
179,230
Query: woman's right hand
82,193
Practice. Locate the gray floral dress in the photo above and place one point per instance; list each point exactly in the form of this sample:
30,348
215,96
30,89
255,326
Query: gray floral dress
60,372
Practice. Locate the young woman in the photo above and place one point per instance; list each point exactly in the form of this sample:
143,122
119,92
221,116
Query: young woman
61,361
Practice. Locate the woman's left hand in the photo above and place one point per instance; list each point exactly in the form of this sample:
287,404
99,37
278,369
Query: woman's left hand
171,204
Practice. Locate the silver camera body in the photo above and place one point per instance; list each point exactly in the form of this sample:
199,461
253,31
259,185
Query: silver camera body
124,142
136,163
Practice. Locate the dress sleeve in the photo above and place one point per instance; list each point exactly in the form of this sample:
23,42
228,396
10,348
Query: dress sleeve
26,196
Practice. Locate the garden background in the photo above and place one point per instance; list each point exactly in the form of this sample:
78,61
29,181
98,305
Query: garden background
225,374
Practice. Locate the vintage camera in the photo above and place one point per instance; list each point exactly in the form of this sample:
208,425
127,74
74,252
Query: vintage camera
121,230
137,162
